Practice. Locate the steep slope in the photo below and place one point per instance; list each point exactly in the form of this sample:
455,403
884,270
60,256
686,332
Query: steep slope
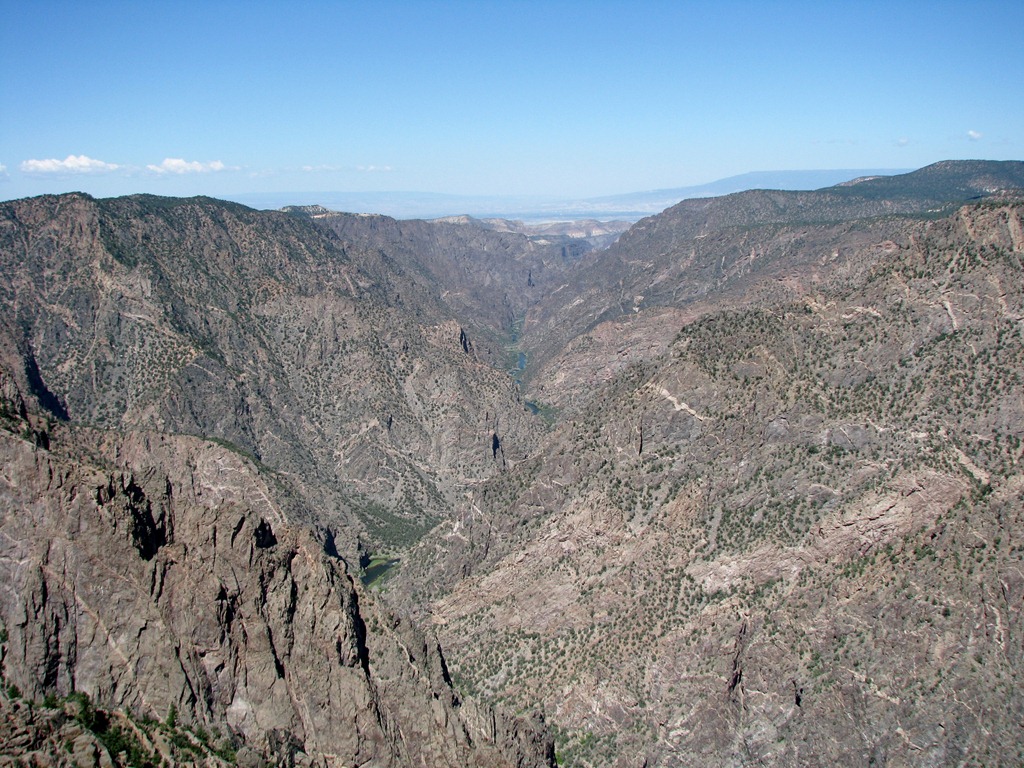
488,273
158,576
329,362
720,249
788,535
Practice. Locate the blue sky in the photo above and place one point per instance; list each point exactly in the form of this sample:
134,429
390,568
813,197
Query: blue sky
571,99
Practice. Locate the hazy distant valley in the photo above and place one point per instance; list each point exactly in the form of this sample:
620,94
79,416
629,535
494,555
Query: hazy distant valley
737,484
630,207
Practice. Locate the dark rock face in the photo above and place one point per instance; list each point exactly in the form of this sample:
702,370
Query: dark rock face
320,357
161,575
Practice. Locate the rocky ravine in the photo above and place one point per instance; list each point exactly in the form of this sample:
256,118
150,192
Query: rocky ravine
157,573
333,362
789,533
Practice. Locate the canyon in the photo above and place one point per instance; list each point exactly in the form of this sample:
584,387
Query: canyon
740,485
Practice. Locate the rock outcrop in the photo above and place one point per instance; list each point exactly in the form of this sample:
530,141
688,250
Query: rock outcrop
158,575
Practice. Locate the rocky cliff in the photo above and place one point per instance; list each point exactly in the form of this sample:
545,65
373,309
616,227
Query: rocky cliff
335,364
159,576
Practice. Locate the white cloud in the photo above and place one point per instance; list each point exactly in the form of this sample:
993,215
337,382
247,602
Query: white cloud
71,164
373,168
902,142
178,165
3,172
974,135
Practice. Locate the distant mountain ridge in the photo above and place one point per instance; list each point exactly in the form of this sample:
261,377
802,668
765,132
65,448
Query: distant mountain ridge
657,200
630,205
945,181
950,181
